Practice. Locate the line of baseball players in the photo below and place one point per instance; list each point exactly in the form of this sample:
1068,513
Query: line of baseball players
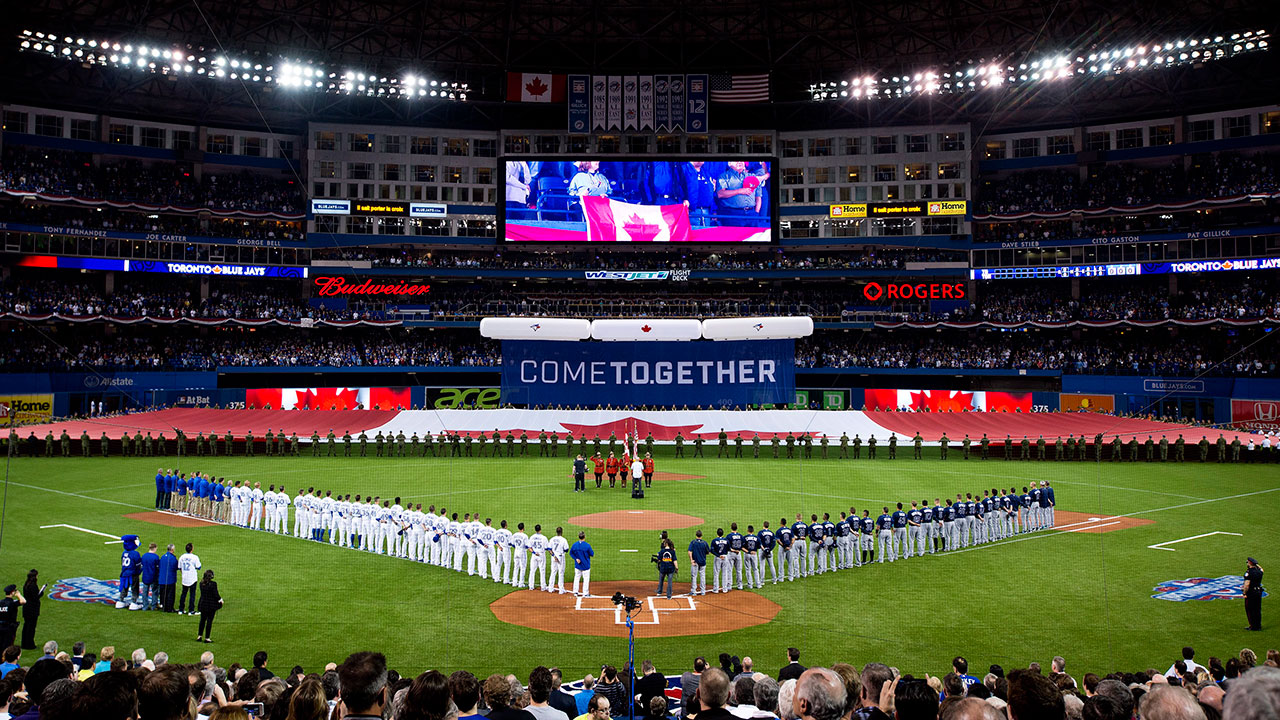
386,527
801,549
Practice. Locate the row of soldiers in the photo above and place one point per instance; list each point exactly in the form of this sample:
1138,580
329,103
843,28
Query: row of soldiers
465,444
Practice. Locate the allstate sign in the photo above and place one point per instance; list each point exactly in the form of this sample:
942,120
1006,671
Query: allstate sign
707,374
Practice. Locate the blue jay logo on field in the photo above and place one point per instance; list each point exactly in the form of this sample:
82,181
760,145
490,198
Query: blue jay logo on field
1227,587
86,590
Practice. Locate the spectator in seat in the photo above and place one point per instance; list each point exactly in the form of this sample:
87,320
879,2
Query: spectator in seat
915,700
963,709
498,695
363,678
1033,697
650,685
308,701
742,697
691,678
793,669
464,688
766,697
165,694
561,700
874,679
1254,696
820,695
597,709
611,687
260,664
1168,702
713,695
657,709
428,698
1119,695
539,695
583,696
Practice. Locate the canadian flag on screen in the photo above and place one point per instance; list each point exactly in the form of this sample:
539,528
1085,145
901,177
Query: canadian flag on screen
613,221
535,87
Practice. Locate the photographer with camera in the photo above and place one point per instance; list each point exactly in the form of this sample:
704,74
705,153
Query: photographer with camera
667,566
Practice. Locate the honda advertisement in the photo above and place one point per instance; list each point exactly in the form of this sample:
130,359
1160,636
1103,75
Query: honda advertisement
1258,415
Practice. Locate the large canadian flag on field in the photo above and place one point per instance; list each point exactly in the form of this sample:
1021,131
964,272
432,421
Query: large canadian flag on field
614,221
535,87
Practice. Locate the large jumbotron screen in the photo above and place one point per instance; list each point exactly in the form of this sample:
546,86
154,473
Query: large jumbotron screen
638,200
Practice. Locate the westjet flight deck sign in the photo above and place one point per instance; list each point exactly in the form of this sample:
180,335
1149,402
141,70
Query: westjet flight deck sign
707,374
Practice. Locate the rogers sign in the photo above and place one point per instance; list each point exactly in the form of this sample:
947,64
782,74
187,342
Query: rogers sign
873,291
330,286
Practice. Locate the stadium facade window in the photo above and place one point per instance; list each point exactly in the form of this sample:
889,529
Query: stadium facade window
1026,147
359,171
846,193
15,121
455,175
820,147
728,144
250,146
853,145
326,140
317,189
1160,135
1269,122
915,171
792,176
892,193
759,143
579,144
815,195
896,227
1060,145
326,169
885,144
794,195
476,228
993,150
485,147
958,190
939,226
821,175
517,144
392,143
285,149
221,144
926,192
944,191
367,191
393,172
430,193
1128,138
83,130
951,142
1236,127
447,194
877,193
885,173
122,134
1097,140
360,142
391,225
326,223
609,144
49,125
424,173
1200,130
668,143
846,228
637,144
860,193
799,229
917,143
360,225
853,173
431,227
457,147
483,175
424,146
792,147
698,144
547,143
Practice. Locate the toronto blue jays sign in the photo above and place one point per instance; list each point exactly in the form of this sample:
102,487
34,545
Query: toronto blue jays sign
1227,587
86,590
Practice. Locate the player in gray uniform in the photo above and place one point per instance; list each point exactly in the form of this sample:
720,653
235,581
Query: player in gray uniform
884,528
845,538
768,551
799,531
736,559
720,577
817,555
915,530
751,558
829,543
867,538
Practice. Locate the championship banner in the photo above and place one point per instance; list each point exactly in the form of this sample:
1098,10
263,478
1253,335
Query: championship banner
645,102
662,101
708,374
330,398
678,107
26,409
1257,415
696,115
630,103
615,102
579,103
599,102
1075,402
613,221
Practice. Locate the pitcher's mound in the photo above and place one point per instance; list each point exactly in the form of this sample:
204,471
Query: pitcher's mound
170,519
658,617
636,520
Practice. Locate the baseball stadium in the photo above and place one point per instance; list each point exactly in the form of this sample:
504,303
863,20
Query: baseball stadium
809,361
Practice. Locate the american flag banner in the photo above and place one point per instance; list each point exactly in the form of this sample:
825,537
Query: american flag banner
740,88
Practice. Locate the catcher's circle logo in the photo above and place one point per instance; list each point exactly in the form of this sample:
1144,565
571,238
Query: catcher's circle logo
1227,587
86,590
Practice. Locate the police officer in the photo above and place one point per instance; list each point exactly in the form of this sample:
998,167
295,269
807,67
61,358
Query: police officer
1253,594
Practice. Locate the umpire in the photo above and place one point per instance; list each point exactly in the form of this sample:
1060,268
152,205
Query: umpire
1253,594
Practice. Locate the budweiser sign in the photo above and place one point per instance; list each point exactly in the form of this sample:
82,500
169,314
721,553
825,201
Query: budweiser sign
329,286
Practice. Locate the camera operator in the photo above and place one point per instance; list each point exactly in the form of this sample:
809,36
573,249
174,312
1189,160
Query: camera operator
667,566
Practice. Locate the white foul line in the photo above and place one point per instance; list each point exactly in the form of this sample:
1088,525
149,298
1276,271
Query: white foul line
1092,527
1159,546
85,530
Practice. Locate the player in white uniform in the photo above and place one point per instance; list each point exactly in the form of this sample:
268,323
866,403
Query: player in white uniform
255,511
501,553
538,559
282,514
269,508
429,518
484,547
326,516
299,514
474,549
400,529
457,542
558,547
519,556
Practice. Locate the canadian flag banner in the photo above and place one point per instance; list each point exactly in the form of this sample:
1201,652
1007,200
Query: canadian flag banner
535,87
614,221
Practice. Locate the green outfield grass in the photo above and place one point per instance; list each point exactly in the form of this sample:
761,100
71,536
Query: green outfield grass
1084,596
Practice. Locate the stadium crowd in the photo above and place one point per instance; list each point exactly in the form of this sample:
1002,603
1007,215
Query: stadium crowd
61,686
866,259
107,218
1124,225
61,172
1220,175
